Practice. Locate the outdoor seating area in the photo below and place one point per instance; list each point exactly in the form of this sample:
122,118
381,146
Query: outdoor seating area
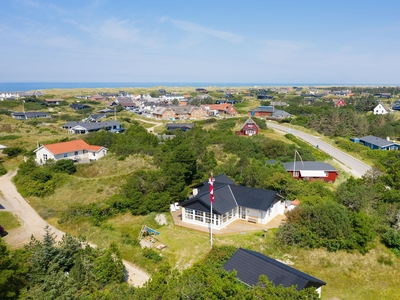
237,226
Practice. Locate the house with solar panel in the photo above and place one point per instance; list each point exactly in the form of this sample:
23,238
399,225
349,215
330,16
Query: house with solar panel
232,202
250,265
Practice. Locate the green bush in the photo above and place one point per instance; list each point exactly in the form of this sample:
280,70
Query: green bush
2,169
13,151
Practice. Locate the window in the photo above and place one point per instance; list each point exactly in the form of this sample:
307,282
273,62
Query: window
189,213
198,216
65,154
76,152
296,174
44,157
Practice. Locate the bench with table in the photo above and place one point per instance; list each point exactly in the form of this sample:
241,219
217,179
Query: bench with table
252,219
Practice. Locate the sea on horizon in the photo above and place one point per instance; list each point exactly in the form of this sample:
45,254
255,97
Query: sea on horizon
35,86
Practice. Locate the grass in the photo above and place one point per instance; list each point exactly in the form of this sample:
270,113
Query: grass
8,220
348,275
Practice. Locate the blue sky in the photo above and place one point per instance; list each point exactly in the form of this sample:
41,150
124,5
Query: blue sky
254,41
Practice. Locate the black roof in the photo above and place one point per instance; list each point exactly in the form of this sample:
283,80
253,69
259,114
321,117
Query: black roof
228,196
250,265
179,125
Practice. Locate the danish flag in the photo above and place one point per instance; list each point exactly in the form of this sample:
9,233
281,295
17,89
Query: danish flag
211,182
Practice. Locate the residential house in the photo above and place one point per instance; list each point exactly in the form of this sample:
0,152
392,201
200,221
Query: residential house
376,143
263,96
311,170
106,111
248,128
77,127
98,98
30,115
94,118
339,102
54,101
201,91
182,126
178,112
262,111
380,109
279,103
280,114
170,97
219,109
78,106
76,150
232,202
250,265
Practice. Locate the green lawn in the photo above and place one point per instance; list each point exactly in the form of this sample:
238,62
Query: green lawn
8,220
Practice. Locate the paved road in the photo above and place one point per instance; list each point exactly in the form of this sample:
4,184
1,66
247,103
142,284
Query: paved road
355,166
33,224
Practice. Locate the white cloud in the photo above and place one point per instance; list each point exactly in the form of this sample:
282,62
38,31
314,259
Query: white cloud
125,31
201,30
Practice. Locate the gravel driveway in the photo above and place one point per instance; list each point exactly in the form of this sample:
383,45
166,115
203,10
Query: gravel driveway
33,224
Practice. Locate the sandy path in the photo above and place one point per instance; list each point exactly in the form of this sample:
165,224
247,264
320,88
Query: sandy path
33,224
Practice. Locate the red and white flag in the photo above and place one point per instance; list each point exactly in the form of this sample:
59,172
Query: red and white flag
211,182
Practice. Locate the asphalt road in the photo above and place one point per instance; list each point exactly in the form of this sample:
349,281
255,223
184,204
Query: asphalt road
350,163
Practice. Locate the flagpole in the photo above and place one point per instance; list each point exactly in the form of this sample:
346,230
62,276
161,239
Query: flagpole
294,164
212,201
211,226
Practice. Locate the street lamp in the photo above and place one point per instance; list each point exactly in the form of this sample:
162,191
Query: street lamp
330,148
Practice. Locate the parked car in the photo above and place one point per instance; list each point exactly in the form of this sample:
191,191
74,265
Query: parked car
2,231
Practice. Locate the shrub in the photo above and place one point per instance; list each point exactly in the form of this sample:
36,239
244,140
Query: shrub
2,170
13,151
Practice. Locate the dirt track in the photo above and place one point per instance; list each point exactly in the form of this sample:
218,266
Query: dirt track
33,224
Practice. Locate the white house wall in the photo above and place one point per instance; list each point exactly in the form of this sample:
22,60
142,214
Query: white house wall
81,154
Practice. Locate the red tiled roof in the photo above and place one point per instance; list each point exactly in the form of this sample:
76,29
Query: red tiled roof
65,147
94,148
295,202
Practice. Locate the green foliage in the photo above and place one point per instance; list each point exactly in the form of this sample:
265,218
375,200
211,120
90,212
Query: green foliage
391,238
3,170
64,166
260,123
69,269
13,269
33,180
9,137
13,151
151,254
208,280
307,152
327,225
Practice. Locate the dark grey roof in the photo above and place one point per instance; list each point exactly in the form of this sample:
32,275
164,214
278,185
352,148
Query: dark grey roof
250,265
227,196
179,125
376,141
30,115
309,166
281,114
254,198
224,201
264,109
91,125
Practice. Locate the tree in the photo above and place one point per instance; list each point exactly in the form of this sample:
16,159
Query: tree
13,269
13,151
